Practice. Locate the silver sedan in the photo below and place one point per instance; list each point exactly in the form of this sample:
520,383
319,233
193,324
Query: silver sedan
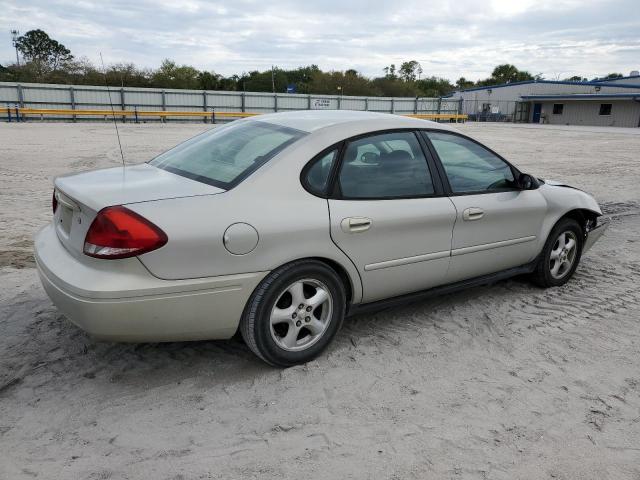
279,226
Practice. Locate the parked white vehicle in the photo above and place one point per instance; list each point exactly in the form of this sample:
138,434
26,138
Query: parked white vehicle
281,225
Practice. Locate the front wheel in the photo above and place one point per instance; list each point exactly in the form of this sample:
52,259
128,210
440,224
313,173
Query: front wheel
294,313
561,254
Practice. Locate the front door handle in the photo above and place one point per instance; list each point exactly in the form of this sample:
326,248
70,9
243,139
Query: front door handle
355,224
472,213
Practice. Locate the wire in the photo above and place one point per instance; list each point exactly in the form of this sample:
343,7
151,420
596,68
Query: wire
113,112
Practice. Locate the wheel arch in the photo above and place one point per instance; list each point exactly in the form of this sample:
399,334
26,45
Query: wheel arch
352,286
342,273
582,216
586,218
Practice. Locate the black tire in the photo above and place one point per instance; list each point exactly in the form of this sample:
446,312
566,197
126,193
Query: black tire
542,274
255,324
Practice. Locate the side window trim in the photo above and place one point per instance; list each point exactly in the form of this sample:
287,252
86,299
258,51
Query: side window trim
434,166
334,185
441,171
438,163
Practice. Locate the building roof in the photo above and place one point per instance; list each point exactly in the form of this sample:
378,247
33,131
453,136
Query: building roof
602,83
619,78
585,96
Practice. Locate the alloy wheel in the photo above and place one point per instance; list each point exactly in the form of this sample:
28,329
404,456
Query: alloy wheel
563,255
301,314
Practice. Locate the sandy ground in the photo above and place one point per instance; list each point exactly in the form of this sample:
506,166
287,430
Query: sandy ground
499,382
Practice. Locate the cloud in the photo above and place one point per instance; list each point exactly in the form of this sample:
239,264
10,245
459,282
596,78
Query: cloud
449,38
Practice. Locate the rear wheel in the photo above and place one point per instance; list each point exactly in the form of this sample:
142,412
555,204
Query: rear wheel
561,254
294,313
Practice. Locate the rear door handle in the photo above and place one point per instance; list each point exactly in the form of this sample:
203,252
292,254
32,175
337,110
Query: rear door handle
472,213
355,224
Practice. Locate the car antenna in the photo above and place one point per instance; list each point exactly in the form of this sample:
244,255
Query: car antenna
113,113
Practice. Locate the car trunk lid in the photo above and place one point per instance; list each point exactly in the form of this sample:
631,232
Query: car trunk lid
81,196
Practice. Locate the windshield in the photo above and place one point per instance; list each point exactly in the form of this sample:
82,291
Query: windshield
224,156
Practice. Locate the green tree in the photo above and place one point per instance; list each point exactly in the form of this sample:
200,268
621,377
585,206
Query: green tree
434,87
576,78
349,82
208,80
390,71
410,70
507,73
612,76
462,83
302,77
37,47
171,75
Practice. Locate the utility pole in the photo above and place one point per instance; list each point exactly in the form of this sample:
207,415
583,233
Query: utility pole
14,38
273,80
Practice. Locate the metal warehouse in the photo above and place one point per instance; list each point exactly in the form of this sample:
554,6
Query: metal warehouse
606,110
603,103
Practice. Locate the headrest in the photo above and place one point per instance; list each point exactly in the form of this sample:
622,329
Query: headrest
398,161
351,153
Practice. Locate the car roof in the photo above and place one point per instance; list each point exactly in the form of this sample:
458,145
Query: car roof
312,120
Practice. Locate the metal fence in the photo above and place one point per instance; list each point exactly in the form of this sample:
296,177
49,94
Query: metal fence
495,110
81,97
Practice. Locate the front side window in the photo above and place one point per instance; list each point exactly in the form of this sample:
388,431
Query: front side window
226,155
558,108
469,166
387,165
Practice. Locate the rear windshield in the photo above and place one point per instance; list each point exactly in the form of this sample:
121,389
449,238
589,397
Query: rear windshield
224,156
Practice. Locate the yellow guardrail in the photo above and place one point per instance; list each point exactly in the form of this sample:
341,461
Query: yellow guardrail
439,116
169,113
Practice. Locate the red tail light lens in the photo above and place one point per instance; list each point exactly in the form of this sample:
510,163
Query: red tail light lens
54,202
118,232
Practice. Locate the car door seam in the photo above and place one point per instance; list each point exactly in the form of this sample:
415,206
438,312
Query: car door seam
453,228
345,253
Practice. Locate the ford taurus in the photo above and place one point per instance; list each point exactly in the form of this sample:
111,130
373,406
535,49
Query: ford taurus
281,225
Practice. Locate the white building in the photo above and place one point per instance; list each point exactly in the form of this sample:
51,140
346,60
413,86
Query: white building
606,103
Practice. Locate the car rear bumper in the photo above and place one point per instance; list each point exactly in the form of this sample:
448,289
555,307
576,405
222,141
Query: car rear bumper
120,300
594,234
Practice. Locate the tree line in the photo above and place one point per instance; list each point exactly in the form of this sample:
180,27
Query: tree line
45,60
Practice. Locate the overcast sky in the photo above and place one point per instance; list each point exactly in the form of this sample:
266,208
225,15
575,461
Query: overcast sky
558,38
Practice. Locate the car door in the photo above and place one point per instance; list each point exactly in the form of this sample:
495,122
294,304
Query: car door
389,215
497,222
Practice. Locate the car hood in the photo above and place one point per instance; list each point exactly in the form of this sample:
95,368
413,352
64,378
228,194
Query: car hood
132,184
555,183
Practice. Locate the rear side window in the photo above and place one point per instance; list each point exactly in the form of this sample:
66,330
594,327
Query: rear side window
469,166
226,155
388,165
317,175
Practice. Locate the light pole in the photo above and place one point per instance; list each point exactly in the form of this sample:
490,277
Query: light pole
14,38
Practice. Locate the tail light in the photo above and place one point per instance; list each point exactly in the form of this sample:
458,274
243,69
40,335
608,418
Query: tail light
54,202
118,232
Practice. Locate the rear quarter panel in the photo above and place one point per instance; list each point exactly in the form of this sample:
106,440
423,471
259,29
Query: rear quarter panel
291,224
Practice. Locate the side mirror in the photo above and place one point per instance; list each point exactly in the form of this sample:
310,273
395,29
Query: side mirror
527,182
